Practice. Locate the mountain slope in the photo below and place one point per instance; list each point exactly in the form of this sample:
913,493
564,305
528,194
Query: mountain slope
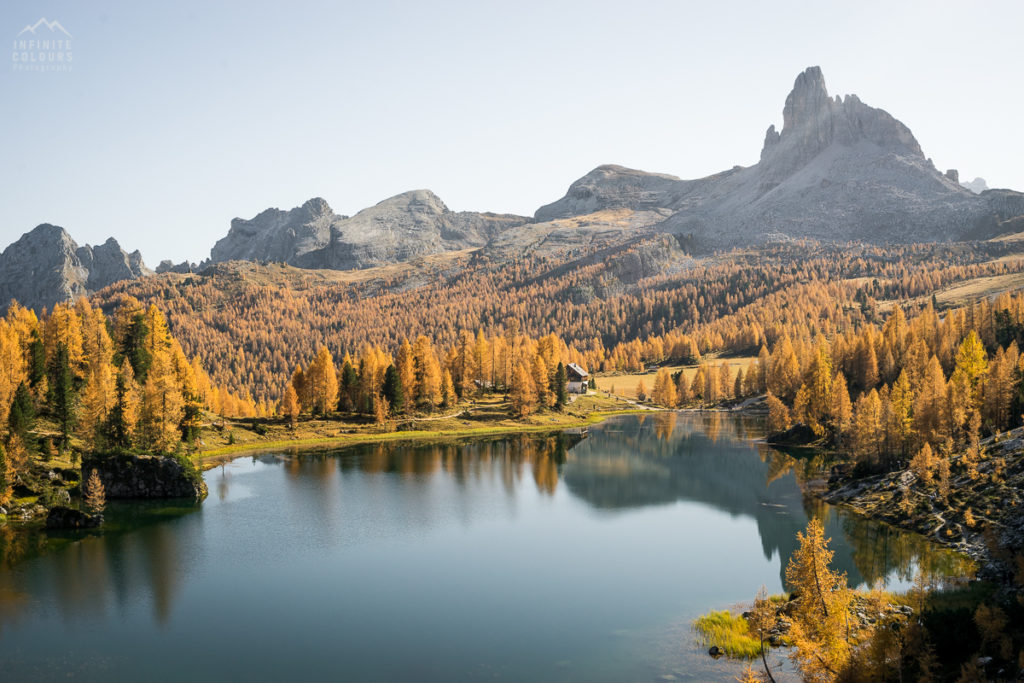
45,266
398,229
838,170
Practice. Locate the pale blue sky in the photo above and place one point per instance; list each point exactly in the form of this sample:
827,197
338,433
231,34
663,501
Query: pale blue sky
176,118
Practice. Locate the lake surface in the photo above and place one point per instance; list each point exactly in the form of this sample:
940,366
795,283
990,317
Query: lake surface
523,558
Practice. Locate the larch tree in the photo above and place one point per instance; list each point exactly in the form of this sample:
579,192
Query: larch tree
738,384
449,397
298,384
162,405
819,382
683,394
867,364
664,389
970,369
322,381
428,373
95,494
381,410
523,394
482,361
784,370
821,619
290,405
930,404
541,381
5,478
867,427
923,463
899,416
840,409
762,620
778,414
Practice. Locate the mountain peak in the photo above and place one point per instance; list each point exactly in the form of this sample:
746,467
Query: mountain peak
46,266
47,231
317,206
813,121
808,97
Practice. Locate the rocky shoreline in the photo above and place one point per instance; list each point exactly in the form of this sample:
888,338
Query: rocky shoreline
49,494
982,516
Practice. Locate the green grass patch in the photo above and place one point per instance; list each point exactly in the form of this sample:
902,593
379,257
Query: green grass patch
729,632
448,430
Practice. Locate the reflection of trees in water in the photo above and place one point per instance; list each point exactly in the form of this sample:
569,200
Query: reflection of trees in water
507,459
625,463
163,568
878,550
89,574
665,424
16,544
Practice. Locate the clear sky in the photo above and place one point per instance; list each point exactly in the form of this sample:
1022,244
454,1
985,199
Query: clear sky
178,116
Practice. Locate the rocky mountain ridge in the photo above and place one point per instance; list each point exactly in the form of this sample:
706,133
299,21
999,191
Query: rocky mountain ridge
838,170
46,266
398,229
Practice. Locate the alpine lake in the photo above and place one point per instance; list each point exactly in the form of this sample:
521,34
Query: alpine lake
557,557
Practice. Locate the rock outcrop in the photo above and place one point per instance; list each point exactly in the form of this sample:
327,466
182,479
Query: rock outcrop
617,187
45,267
168,266
395,230
146,476
838,170
977,186
61,517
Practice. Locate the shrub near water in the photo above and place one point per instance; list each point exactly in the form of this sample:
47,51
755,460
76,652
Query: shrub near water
729,632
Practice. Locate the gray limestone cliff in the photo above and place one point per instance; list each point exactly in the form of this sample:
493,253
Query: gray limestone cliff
398,229
45,266
838,170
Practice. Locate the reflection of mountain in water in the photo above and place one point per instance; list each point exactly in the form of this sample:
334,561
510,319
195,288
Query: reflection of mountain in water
710,459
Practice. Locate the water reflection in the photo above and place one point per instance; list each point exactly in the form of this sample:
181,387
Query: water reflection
506,458
82,575
617,531
712,459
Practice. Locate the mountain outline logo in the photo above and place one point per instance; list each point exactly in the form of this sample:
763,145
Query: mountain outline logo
52,25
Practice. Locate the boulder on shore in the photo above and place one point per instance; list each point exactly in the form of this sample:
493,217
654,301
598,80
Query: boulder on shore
146,476
61,517
797,435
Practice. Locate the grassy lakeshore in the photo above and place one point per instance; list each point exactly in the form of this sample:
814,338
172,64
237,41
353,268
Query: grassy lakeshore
229,438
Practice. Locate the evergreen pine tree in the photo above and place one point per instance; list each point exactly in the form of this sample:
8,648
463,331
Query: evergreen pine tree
560,387
349,386
61,397
36,360
192,420
135,348
117,429
392,389
22,415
